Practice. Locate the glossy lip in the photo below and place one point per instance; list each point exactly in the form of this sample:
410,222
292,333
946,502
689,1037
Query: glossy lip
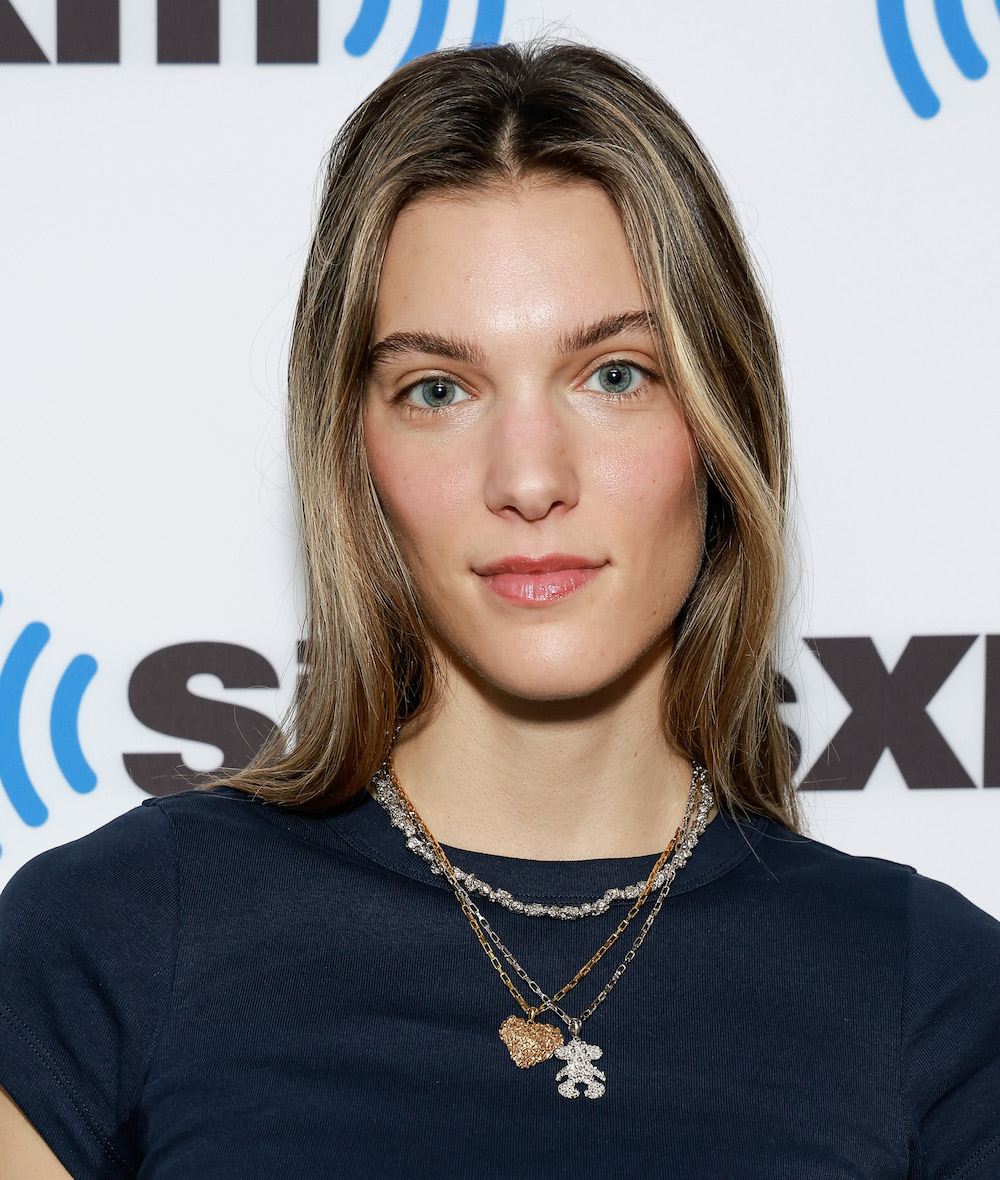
547,563
538,581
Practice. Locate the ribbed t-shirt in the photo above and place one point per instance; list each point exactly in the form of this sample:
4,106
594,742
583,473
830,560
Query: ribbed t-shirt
212,986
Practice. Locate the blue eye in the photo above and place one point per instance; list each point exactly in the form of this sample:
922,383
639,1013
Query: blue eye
436,393
616,377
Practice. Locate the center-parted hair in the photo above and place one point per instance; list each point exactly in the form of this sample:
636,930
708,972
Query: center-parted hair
475,119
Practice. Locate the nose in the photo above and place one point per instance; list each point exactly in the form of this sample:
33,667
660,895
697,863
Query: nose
531,469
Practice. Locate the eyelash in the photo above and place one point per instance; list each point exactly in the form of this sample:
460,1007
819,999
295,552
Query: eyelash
412,407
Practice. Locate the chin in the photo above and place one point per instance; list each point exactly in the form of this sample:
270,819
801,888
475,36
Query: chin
549,687
571,675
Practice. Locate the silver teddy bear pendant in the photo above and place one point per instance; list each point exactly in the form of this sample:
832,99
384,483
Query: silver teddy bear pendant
579,1069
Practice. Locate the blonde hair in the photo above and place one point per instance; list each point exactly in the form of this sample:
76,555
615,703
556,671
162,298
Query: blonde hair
468,119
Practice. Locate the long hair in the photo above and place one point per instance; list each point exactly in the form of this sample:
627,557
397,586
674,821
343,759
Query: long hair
472,119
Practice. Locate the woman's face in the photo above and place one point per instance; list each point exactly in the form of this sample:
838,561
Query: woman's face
533,463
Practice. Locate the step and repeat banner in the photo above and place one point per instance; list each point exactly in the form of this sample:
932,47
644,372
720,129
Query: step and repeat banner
158,173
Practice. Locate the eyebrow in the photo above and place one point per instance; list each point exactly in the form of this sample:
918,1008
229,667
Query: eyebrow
456,349
604,329
399,343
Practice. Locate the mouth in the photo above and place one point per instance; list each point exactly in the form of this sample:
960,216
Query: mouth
538,581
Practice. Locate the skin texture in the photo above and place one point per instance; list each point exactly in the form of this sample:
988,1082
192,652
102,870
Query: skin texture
23,1152
545,740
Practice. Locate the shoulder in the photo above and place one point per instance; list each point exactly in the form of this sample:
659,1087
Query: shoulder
100,907
108,867
88,939
130,870
799,854
156,829
819,881
797,865
909,947
184,867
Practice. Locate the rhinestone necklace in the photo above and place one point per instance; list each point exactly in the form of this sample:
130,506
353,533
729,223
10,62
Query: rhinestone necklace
401,817
527,1041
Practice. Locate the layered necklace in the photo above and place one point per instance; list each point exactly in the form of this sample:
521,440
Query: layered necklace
529,1040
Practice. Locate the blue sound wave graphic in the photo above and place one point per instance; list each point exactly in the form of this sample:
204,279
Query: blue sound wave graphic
430,26
13,772
898,43
63,724
958,38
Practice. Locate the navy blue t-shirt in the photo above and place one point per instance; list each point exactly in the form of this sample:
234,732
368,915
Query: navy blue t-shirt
211,986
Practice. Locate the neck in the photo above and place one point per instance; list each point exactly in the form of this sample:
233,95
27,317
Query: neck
547,780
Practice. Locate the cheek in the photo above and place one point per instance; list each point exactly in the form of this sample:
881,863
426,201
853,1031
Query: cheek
423,495
653,484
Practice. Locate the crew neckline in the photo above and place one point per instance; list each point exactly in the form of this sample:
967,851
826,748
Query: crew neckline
726,841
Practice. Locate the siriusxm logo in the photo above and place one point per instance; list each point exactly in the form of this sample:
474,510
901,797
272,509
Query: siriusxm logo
63,723
888,712
958,39
187,31
159,697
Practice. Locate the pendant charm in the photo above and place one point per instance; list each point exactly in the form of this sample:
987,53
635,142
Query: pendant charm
528,1042
579,1069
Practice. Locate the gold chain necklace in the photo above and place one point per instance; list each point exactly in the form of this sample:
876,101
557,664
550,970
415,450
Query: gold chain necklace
528,1041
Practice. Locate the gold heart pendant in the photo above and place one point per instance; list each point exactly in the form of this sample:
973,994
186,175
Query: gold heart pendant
528,1042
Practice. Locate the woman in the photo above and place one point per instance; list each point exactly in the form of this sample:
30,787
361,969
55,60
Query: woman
533,839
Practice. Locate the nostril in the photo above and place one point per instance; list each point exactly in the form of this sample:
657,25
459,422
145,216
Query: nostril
532,481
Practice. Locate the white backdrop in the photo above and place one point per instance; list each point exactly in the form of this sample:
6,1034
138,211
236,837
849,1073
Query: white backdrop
153,222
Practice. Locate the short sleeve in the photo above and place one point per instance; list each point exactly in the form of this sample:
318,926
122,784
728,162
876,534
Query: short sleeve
87,946
951,1034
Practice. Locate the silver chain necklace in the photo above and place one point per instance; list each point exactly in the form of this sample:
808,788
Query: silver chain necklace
679,859
579,1054
528,1042
401,818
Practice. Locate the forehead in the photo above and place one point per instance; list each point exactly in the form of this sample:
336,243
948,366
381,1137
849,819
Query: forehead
542,256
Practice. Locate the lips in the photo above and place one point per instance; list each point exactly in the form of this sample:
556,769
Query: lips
538,581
